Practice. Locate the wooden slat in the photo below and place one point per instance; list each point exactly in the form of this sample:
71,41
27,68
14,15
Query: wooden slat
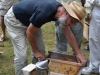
65,62
63,68
53,73
33,72
64,57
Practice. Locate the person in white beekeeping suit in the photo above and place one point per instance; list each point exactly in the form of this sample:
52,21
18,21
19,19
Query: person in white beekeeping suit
94,38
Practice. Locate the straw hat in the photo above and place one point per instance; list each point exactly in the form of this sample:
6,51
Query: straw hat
75,10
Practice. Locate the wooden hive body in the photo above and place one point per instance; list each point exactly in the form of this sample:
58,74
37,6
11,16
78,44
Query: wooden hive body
63,64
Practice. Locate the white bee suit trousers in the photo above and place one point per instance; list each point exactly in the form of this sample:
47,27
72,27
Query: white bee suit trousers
94,35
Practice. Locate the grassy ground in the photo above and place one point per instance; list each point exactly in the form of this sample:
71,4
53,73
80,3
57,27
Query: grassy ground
6,59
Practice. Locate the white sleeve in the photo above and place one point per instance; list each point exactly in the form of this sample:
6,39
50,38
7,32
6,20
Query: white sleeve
88,6
95,2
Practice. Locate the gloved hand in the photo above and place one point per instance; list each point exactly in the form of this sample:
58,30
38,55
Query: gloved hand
88,7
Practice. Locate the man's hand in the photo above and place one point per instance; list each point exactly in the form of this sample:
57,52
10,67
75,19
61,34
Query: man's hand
39,55
81,59
72,41
31,30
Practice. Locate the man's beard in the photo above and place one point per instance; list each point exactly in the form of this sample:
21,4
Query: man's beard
62,21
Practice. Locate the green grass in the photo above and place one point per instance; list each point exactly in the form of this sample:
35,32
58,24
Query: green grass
6,59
